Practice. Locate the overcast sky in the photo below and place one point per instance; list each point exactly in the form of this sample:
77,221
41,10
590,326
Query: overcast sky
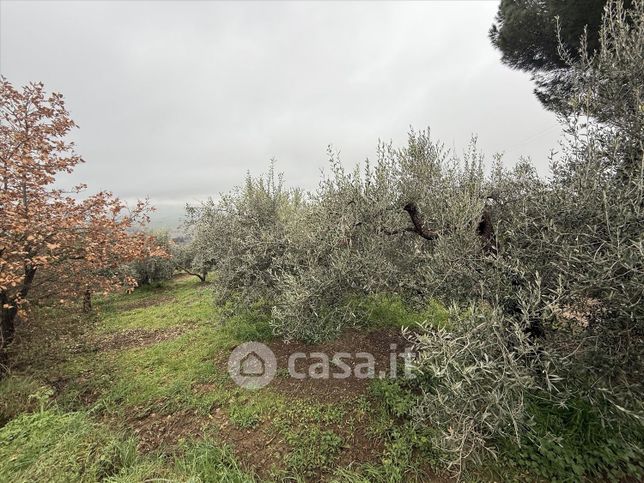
176,100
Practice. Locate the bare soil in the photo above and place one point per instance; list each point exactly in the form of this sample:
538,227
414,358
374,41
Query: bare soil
128,339
155,431
378,343
144,303
257,449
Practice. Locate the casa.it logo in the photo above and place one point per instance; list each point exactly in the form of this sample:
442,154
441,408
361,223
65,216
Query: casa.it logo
252,365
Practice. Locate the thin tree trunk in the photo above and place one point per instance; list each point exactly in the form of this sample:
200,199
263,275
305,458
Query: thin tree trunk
7,333
201,276
484,229
8,317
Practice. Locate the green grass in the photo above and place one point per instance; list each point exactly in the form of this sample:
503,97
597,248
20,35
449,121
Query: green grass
314,449
164,372
181,302
388,310
17,395
69,409
55,446
63,447
70,405
208,462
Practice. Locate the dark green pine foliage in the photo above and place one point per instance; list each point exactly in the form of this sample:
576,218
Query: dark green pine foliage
525,31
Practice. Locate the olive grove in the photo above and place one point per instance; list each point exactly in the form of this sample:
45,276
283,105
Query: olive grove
544,277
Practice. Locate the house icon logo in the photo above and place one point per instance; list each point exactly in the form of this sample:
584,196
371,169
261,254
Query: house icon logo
252,365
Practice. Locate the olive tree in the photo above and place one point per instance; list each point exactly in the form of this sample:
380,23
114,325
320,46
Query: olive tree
545,275
568,272
243,235
377,229
156,267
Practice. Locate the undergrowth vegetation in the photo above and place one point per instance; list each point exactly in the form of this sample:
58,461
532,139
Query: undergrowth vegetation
54,446
140,392
522,297
543,277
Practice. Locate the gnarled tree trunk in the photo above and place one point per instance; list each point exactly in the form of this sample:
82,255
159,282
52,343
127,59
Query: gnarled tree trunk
484,229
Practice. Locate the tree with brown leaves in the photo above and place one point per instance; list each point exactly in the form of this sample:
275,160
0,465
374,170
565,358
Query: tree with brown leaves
52,240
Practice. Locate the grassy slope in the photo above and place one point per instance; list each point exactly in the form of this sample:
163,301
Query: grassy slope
137,392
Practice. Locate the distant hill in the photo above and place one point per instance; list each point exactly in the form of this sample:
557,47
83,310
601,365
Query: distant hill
167,217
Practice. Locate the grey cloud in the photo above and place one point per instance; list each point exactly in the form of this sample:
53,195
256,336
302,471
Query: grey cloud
176,100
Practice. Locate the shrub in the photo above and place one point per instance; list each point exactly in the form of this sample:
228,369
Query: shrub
196,255
564,291
475,380
545,276
570,442
244,233
354,238
153,269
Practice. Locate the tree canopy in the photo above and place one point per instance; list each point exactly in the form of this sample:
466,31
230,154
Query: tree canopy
543,277
531,33
50,239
